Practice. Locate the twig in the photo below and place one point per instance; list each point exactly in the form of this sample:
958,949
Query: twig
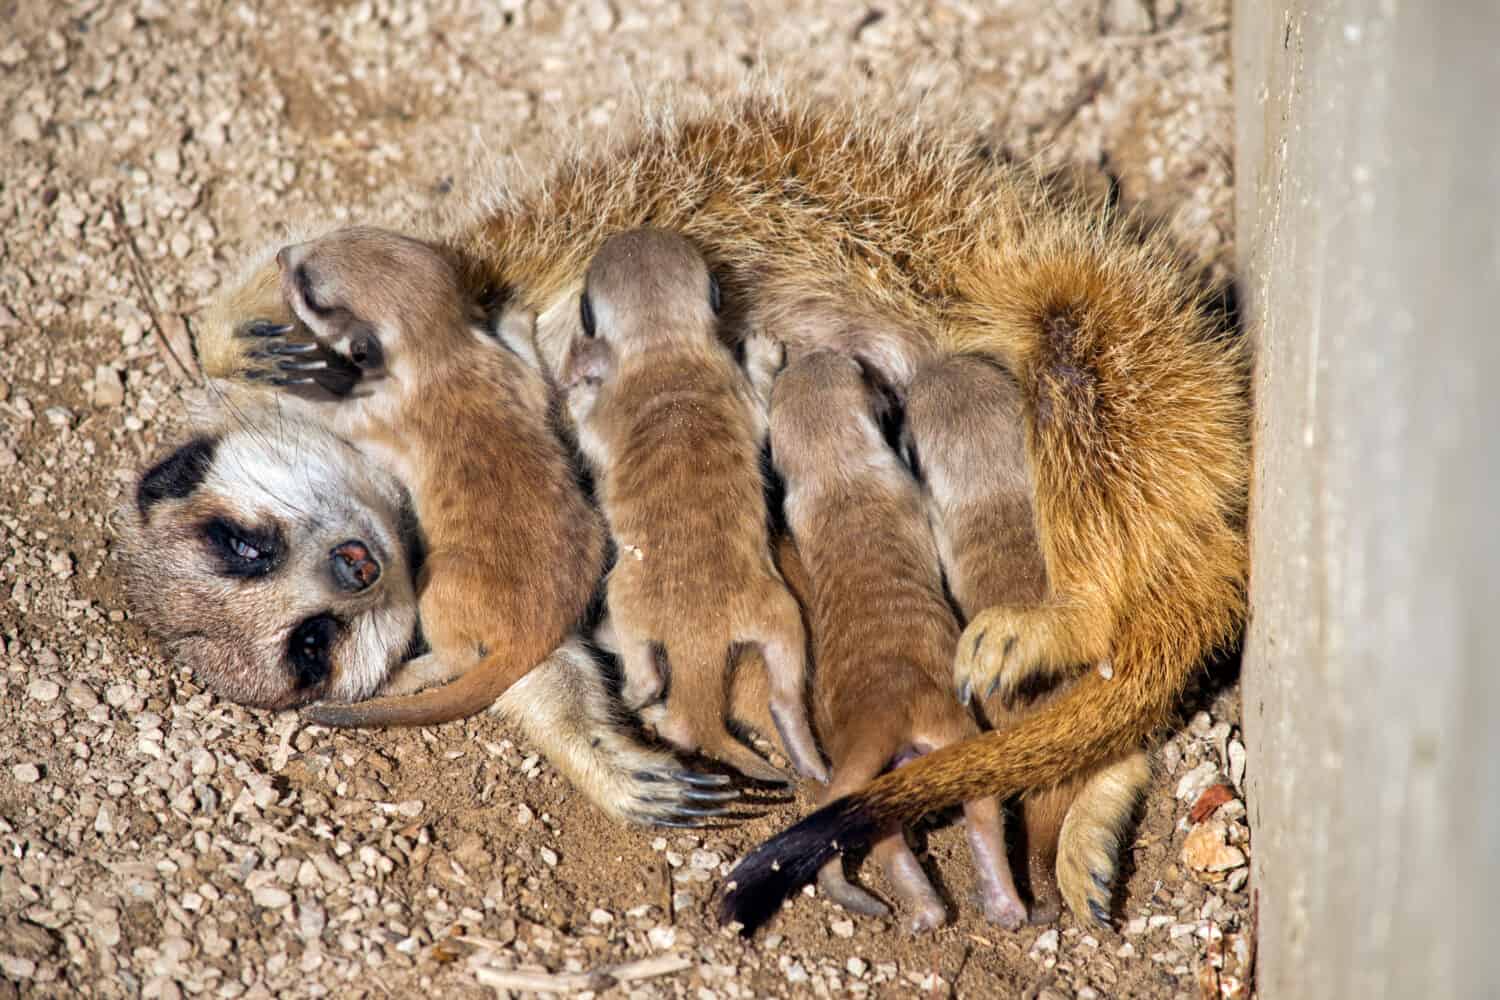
140,273
666,879
1169,35
572,982
1085,95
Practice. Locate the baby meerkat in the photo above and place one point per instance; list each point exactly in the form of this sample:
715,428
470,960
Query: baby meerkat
883,631
278,563
965,436
514,550
674,430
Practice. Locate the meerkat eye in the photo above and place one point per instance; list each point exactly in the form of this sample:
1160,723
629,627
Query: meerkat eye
715,295
310,649
586,314
242,552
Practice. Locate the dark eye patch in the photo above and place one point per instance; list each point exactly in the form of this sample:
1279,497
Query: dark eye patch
177,475
310,649
243,552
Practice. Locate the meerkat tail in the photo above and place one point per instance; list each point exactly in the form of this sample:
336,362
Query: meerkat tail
1094,722
470,694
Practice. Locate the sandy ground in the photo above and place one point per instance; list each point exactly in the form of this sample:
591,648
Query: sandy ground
159,842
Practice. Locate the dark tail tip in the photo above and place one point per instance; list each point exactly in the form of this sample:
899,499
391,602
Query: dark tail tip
773,871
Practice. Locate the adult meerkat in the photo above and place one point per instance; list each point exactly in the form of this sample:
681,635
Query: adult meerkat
907,243
882,629
674,431
964,435
278,562
514,549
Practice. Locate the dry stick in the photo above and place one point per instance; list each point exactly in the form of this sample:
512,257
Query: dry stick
572,982
1091,89
140,274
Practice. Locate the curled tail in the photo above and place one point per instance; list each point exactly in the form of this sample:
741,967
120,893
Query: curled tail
469,694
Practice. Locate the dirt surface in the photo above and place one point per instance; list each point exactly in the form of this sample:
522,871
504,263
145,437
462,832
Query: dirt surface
159,842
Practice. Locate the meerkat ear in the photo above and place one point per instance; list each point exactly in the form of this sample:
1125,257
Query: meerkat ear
588,360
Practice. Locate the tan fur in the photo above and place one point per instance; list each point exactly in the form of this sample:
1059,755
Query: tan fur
464,423
235,631
674,433
965,432
265,470
1136,405
882,631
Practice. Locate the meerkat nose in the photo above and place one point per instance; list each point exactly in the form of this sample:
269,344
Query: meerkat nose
354,569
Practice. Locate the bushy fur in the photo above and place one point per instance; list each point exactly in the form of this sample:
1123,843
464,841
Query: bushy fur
915,243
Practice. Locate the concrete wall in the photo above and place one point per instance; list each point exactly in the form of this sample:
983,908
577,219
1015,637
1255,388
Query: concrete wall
1369,232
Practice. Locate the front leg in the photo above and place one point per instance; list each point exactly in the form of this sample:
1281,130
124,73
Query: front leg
280,354
564,708
1006,648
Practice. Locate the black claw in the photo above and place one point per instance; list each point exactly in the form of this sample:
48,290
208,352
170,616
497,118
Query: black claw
677,824
994,686
1100,881
294,347
287,380
265,328
1099,913
699,779
965,692
711,795
316,365
978,640
686,811
650,776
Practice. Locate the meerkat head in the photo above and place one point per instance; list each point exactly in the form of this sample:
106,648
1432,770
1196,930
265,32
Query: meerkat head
959,412
827,407
275,561
363,292
644,288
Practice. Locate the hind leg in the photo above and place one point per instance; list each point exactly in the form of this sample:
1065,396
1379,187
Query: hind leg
784,651
921,907
642,682
997,886
1088,848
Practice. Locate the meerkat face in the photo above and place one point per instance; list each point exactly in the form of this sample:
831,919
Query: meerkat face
644,288
276,561
363,292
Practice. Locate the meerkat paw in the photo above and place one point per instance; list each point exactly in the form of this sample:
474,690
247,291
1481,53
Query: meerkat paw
279,354
765,356
1093,835
564,708
1086,875
999,651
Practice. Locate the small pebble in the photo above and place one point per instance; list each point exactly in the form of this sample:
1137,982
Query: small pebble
43,690
26,774
271,897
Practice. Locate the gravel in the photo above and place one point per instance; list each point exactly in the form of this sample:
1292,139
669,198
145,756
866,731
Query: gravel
157,842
